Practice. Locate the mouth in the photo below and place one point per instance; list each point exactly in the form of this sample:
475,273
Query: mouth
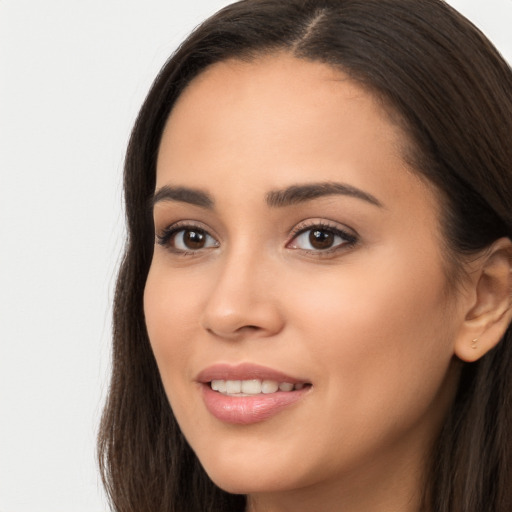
247,393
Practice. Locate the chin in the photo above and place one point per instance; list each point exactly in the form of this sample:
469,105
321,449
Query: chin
249,481
240,471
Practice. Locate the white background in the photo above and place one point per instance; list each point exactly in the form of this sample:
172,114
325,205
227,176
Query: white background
72,77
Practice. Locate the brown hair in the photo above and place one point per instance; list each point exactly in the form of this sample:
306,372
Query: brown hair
451,91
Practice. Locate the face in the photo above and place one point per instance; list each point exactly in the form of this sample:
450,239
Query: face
298,272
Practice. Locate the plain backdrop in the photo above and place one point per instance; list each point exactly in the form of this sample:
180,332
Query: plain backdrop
72,77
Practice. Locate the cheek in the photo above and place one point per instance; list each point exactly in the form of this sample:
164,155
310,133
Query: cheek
171,308
168,308
380,334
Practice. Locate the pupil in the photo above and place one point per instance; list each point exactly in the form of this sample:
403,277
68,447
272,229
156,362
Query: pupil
194,239
321,239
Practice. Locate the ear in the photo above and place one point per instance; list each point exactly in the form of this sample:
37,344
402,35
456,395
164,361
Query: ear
490,311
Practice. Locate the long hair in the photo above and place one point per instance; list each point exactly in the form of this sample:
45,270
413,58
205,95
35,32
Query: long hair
450,90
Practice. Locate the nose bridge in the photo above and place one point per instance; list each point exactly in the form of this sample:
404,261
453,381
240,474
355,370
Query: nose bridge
240,300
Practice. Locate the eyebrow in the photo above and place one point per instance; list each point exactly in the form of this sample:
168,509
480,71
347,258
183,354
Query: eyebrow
301,193
289,196
184,195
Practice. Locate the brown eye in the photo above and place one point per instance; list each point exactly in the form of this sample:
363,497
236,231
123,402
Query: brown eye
321,239
186,239
193,239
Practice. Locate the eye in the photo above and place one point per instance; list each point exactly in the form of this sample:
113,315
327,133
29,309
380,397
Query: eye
321,238
186,239
192,239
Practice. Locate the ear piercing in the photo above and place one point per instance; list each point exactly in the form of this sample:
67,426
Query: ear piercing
474,343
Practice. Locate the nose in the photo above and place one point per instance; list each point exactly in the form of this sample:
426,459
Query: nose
244,300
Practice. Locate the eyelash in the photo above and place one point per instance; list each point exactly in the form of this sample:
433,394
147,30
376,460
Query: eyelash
349,240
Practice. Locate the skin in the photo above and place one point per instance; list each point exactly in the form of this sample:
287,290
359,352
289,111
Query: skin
371,324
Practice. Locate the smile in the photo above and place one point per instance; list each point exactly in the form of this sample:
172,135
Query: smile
247,393
253,387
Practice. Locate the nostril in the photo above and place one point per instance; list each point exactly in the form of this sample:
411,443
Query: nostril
240,332
248,329
239,319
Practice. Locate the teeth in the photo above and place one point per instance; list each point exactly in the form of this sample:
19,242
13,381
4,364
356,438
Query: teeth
233,386
252,386
219,385
269,386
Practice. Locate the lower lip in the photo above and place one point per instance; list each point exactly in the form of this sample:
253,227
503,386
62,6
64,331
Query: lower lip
244,410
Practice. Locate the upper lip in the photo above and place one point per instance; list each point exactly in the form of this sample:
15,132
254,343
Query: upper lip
244,371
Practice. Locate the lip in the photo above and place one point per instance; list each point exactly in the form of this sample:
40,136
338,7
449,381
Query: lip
246,410
244,371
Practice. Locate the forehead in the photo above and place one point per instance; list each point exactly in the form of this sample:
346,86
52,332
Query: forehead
265,81
234,79
264,107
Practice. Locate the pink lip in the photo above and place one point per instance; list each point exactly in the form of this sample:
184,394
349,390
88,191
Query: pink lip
244,371
244,410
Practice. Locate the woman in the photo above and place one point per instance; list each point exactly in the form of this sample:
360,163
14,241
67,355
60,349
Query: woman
314,308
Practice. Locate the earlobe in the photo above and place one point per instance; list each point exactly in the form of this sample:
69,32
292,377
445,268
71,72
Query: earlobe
490,314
